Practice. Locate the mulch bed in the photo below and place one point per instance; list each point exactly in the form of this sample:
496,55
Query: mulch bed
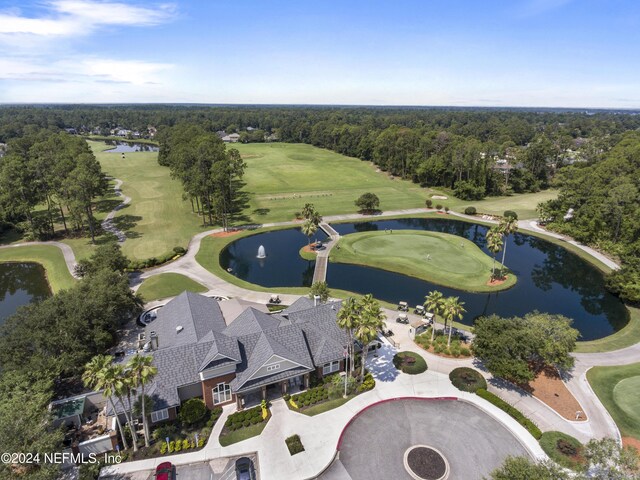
225,234
497,281
632,442
426,463
309,249
550,389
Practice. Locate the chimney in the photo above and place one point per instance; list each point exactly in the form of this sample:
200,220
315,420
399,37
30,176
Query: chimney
179,328
154,339
316,300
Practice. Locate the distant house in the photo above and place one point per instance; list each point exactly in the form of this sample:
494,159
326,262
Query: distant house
221,133
152,131
122,132
71,131
244,357
232,138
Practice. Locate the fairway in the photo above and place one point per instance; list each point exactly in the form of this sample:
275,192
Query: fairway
49,256
440,258
157,219
168,285
617,388
282,177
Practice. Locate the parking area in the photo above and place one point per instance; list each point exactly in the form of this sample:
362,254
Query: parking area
472,441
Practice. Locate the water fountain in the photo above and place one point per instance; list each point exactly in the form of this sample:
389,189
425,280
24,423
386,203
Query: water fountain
261,252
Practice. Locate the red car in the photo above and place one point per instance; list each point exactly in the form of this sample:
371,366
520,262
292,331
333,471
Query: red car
164,471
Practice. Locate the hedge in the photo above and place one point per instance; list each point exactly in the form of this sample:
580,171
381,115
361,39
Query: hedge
245,418
470,211
311,397
510,213
294,444
512,411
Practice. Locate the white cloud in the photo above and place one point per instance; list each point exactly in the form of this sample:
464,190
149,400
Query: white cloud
80,17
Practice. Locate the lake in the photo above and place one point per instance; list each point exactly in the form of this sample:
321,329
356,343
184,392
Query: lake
550,278
20,284
127,147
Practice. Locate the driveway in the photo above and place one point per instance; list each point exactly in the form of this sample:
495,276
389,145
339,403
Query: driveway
374,443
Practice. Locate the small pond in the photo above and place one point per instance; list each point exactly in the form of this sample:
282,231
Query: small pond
550,278
126,147
21,284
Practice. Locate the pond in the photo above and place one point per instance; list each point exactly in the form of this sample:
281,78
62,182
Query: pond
550,278
127,147
21,284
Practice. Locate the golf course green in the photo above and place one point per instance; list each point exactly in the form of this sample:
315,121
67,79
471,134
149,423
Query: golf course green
440,258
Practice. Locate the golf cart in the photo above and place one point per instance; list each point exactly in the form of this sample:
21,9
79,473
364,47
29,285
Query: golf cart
403,306
419,310
402,318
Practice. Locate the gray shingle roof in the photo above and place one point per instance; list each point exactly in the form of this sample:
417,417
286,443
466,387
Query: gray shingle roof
303,303
251,321
196,314
222,345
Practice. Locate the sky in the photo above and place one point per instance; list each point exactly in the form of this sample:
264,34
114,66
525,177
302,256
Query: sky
538,53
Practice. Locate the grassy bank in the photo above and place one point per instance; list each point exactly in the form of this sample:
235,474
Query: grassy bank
440,258
49,256
168,285
617,388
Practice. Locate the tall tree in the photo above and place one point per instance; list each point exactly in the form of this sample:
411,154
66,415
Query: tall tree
506,227
141,368
309,228
369,323
347,320
494,244
434,303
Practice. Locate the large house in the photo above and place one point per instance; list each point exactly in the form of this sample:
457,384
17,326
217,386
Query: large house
255,355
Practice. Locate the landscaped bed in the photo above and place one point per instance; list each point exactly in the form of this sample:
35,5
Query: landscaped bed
294,444
458,348
563,449
549,388
410,363
467,379
244,424
512,411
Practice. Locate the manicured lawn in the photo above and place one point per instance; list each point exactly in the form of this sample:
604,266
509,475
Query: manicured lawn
523,204
436,257
49,256
314,410
168,285
562,449
157,219
242,434
410,363
617,388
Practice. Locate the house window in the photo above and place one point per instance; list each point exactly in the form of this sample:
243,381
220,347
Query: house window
271,368
159,415
330,367
222,393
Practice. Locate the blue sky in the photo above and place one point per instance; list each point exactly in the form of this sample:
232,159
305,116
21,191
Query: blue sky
555,53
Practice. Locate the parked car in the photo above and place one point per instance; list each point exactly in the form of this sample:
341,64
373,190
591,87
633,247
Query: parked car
402,318
164,471
245,469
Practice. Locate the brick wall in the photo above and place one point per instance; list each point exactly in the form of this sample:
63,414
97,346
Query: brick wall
208,385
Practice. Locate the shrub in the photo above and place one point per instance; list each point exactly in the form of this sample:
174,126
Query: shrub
246,423
409,362
286,397
367,384
164,431
467,379
172,446
186,444
562,449
510,213
200,442
465,352
438,206
163,448
470,211
179,250
294,444
428,202
178,446
192,411
512,411
446,209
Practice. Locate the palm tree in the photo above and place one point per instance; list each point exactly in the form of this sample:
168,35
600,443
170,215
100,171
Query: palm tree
142,370
347,319
507,226
308,210
94,378
494,244
120,385
433,303
309,228
452,309
370,321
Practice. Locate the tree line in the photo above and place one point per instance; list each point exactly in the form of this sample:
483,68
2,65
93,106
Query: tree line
210,173
54,170
599,204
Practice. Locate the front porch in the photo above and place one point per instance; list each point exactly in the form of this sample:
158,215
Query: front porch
252,397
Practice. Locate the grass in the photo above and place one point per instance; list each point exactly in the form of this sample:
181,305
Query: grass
294,444
410,363
617,388
436,257
314,410
49,256
168,285
523,204
553,442
241,434
157,219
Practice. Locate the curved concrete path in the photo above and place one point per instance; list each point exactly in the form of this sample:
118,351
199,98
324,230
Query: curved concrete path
67,252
